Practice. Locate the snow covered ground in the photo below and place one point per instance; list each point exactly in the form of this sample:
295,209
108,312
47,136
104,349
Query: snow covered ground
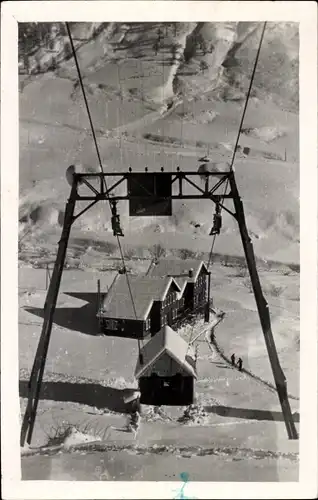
88,376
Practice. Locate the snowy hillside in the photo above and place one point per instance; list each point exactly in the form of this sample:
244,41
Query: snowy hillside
211,48
133,73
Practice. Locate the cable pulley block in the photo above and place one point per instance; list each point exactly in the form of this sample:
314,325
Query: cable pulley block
217,221
115,220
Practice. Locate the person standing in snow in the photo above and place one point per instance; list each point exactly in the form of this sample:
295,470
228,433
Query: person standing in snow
159,34
156,47
157,43
233,359
239,364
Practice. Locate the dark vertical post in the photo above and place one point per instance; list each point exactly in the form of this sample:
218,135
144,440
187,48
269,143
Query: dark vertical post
36,377
180,184
207,307
98,295
263,312
207,184
46,276
99,306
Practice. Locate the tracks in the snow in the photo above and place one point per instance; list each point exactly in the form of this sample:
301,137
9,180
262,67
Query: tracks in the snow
232,453
270,386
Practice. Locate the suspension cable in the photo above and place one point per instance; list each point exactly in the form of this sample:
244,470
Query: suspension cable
239,131
101,167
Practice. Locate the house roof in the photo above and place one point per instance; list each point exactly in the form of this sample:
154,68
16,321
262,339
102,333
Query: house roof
144,289
178,268
166,341
182,283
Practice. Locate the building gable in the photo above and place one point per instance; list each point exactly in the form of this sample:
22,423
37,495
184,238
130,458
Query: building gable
187,269
172,290
165,366
166,342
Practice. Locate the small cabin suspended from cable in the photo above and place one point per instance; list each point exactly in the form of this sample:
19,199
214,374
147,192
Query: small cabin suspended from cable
168,370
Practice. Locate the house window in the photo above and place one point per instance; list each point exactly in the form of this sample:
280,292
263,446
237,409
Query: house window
111,324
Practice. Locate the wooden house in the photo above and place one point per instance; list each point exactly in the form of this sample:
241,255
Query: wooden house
191,275
167,373
155,304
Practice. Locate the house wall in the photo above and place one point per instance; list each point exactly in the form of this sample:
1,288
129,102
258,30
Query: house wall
164,313
195,294
181,304
155,317
125,328
200,293
188,296
169,309
166,390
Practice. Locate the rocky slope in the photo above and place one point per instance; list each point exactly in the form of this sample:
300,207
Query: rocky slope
214,49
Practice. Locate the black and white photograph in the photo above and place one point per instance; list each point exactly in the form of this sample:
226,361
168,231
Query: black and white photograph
158,257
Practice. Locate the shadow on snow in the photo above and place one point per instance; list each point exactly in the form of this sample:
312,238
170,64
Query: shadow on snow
81,319
248,414
89,394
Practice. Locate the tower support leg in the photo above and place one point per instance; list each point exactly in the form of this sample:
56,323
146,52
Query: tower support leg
263,311
36,377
